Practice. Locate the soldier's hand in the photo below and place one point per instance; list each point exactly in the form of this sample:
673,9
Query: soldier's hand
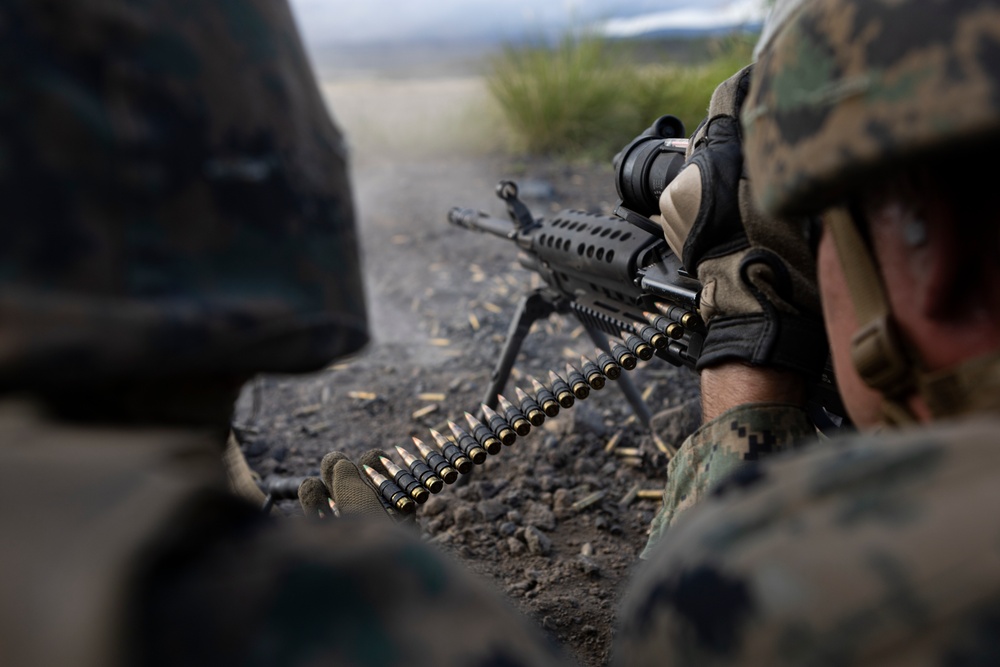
759,294
345,484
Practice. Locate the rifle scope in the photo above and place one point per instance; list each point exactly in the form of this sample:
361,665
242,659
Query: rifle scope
648,163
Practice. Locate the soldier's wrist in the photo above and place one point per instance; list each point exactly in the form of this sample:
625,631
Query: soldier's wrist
731,385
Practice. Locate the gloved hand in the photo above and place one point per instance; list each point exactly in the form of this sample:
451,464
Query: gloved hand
758,275
344,482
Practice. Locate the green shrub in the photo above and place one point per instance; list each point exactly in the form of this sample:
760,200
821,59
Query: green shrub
588,97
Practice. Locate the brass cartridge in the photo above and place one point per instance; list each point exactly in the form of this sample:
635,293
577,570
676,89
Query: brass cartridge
467,443
608,365
531,409
483,435
545,398
498,425
397,498
638,346
654,337
456,457
437,463
595,378
623,356
421,471
577,384
670,328
561,390
406,481
517,420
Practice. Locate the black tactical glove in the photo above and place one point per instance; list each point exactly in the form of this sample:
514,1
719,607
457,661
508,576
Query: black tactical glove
758,275
347,486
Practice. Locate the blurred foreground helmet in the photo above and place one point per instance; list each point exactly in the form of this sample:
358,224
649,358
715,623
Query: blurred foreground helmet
174,196
845,90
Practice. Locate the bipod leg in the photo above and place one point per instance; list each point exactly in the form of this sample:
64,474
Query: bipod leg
533,306
632,395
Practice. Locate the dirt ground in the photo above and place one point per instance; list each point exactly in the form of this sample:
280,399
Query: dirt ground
553,520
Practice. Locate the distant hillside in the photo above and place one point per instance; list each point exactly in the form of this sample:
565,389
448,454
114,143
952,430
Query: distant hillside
465,57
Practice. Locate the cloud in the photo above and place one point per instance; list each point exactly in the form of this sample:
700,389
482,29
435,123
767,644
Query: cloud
692,18
352,22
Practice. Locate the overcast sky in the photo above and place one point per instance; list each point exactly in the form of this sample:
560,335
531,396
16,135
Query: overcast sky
340,22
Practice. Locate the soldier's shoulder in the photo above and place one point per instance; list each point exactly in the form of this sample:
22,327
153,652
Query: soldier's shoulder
873,543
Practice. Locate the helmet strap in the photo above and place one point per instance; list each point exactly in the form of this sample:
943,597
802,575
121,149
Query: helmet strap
880,355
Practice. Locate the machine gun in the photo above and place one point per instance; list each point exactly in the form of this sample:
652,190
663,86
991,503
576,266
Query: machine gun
616,274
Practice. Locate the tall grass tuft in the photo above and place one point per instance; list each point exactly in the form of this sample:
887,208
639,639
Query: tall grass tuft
586,97
564,99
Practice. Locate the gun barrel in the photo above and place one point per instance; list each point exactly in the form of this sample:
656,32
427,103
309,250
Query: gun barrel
479,221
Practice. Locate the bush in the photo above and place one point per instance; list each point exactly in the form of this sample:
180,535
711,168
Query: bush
587,97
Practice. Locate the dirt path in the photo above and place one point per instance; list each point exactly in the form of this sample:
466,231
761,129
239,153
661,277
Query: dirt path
548,519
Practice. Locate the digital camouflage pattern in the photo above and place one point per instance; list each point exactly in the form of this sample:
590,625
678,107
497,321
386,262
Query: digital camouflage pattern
176,196
349,592
725,448
879,550
844,90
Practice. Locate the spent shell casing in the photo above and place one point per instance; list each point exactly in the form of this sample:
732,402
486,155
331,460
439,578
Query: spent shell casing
577,384
623,356
421,471
406,481
483,435
531,409
545,398
390,491
654,337
595,378
467,443
517,420
667,326
562,391
438,463
456,457
608,365
638,346
498,425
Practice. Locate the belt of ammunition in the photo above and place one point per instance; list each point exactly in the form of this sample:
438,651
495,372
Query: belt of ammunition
468,444
577,384
531,409
514,417
595,378
623,356
562,391
484,436
608,365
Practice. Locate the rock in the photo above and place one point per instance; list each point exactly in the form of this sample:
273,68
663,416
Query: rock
464,515
588,566
515,546
538,542
539,515
434,506
507,529
562,499
491,510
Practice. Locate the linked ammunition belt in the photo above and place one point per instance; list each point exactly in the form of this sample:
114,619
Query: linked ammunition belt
441,462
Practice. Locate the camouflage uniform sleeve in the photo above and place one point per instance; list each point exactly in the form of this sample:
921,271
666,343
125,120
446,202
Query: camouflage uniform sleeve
879,550
350,593
721,447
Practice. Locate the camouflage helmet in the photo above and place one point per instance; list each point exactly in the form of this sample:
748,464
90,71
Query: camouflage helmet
175,196
845,90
